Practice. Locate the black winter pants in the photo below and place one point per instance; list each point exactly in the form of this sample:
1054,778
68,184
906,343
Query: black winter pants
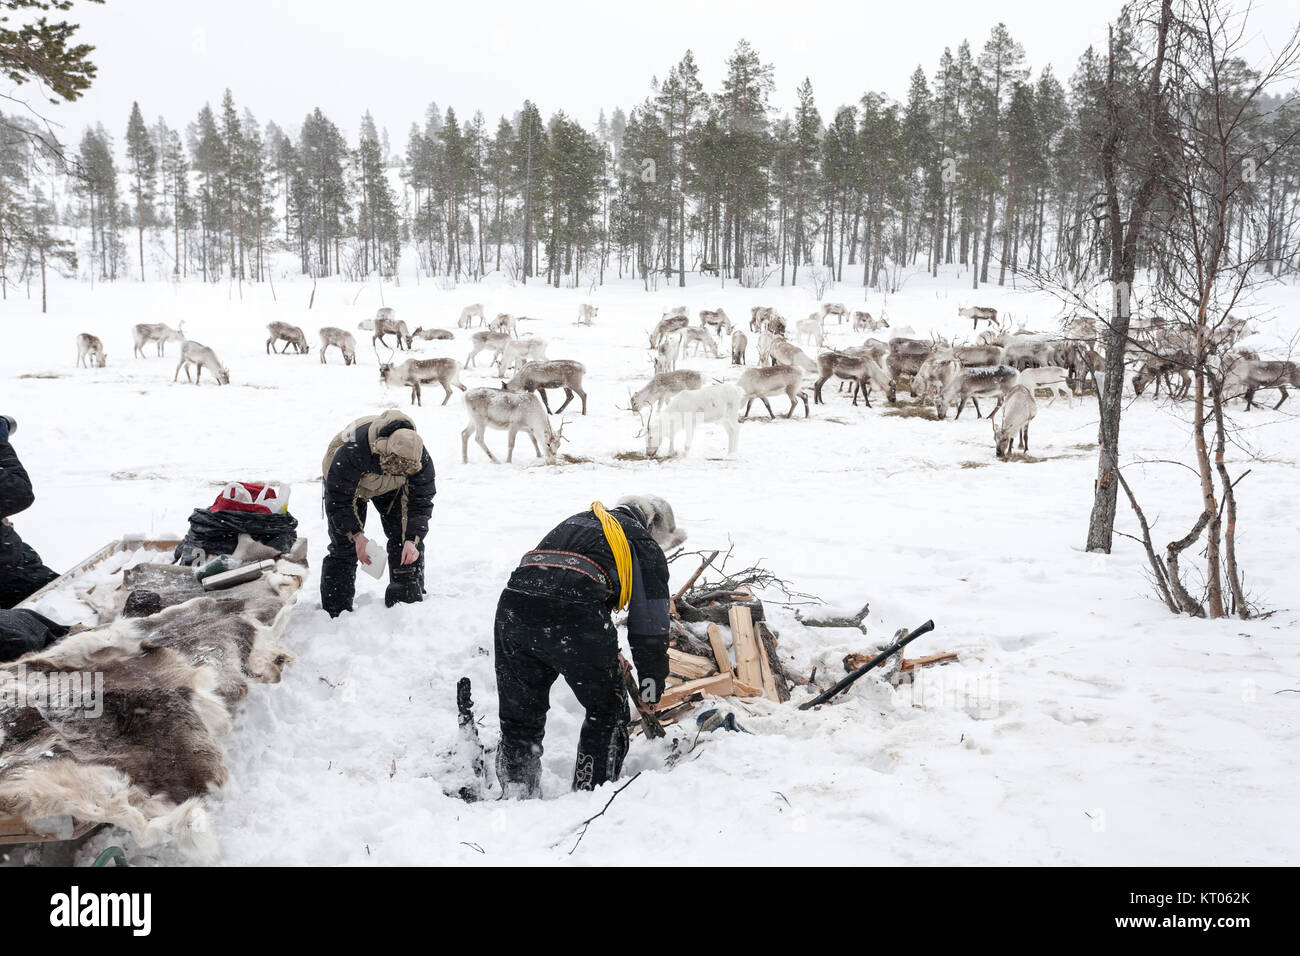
537,639
21,571
338,572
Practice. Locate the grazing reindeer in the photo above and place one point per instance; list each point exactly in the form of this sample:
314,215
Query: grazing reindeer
511,412
978,314
505,322
701,339
971,383
863,322
157,333
1018,411
975,355
717,320
387,325
765,318
430,335
519,352
667,326
1161,367
785,352
340,339
852,366
201,357
765,381
1246,376
686,410
290,335
836,309
810,330
679,311
1085,361
1022,352
586,314
905,358
417,372
558,373
666,353
935,373
482,341
663,387
90,351
765,342
1054,378
468,313
739,344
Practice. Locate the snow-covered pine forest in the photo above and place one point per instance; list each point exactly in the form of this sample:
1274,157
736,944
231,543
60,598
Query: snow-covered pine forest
1120,597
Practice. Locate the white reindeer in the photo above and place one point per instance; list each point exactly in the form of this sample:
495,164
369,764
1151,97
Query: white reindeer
667,352
1054,378
518,352
90,351
511,412
713,403
1017,412
201,357
158,333
810,330
468,313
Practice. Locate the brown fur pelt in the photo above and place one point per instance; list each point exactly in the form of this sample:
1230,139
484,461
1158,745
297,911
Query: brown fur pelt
149,758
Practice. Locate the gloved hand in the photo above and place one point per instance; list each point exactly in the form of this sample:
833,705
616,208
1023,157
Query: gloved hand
7,427
651,658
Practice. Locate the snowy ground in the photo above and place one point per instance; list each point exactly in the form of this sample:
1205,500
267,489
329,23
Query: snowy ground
1083,724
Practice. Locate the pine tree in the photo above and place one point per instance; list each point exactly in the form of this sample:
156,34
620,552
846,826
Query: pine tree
143,157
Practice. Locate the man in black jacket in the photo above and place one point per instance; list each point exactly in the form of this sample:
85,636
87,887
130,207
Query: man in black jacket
382,460
554,618
21,570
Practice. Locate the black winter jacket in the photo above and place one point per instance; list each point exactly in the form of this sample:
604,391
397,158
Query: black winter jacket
15,487
647,626
352,461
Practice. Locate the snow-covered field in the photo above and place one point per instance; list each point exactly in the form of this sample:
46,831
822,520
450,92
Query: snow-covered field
1082,725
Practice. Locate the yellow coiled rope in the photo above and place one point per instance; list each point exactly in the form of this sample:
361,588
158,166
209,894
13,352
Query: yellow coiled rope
622,553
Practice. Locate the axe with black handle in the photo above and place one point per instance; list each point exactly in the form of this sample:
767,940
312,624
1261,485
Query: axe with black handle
900,642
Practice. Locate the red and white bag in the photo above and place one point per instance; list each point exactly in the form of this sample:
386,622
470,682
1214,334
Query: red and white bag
249,496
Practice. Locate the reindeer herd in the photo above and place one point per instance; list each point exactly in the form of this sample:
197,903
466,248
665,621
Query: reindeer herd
1008,368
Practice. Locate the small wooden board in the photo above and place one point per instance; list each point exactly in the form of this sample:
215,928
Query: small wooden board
720,685
689,666
749,668
720,653
15,830
87,563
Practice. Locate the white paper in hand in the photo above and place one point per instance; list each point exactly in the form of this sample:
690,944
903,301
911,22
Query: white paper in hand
378,559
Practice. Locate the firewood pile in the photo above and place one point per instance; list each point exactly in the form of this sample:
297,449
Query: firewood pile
701,659
721,645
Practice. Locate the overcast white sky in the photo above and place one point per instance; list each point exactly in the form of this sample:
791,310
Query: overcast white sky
282,57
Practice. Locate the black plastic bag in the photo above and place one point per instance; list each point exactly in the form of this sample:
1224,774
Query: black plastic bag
217,532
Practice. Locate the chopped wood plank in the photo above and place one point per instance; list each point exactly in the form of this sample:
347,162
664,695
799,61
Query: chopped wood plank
909,663
690,666
719,685
745,641
780,676
765,670
741,689
720,653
